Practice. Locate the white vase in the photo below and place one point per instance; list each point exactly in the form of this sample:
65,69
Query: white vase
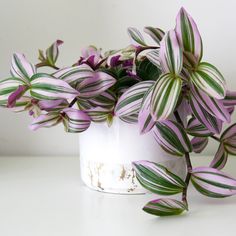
106,154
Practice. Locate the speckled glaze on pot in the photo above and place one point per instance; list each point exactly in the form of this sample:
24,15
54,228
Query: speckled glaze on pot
106,154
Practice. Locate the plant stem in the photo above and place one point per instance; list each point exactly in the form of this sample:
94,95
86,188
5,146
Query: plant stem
73,102
214,137
188,164
187,179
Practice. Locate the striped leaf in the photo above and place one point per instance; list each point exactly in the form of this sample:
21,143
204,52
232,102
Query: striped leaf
157,178
21,68
52,52
145,119
74,75
153,57
165,207
155,33
98,114
46,121
130,101
213,106
130,119
7,87
106,99
189,38
228,138
230,98
136,37
213,124
199,144
220,158
213,183
52,105
171,55
165,96
208,79
95,85
172,137
47,87
196,128
75,121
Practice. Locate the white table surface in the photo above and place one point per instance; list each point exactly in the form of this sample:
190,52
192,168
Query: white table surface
42,196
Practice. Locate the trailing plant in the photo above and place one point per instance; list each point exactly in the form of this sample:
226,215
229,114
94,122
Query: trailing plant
165,87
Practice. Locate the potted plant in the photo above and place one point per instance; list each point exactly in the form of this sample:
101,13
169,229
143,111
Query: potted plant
164,91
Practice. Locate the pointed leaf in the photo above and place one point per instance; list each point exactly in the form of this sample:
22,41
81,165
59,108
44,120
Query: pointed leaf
157,178
98,114
155,33
172,137
45,120
145,119
74,75
188,37
165,96
208,79
213,124
228,138
196,128
171,55
21,68
16,95
95,85
136,37
130,101
47,87
213,183
153,57
220,158
213,106
199,144
52,52
165,207
75,121
130,119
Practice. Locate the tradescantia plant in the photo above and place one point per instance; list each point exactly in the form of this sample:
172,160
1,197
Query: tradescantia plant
166,88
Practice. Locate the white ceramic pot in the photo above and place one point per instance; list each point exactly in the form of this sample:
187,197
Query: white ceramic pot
106,154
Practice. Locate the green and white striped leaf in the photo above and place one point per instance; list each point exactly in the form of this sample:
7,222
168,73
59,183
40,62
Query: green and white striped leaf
213,183
98,114
74,75
153,57
145,119
75,121
95,85
189,38
172,137
46,121
155,33
130,119
165,96
47,87
52,52
7,87
199,144
213,124
195,128
131,100
165,207
208,79
157,179
136,37
228,138
220,158
21,68
171,55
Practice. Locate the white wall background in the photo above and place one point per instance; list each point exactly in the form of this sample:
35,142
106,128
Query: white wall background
27,25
